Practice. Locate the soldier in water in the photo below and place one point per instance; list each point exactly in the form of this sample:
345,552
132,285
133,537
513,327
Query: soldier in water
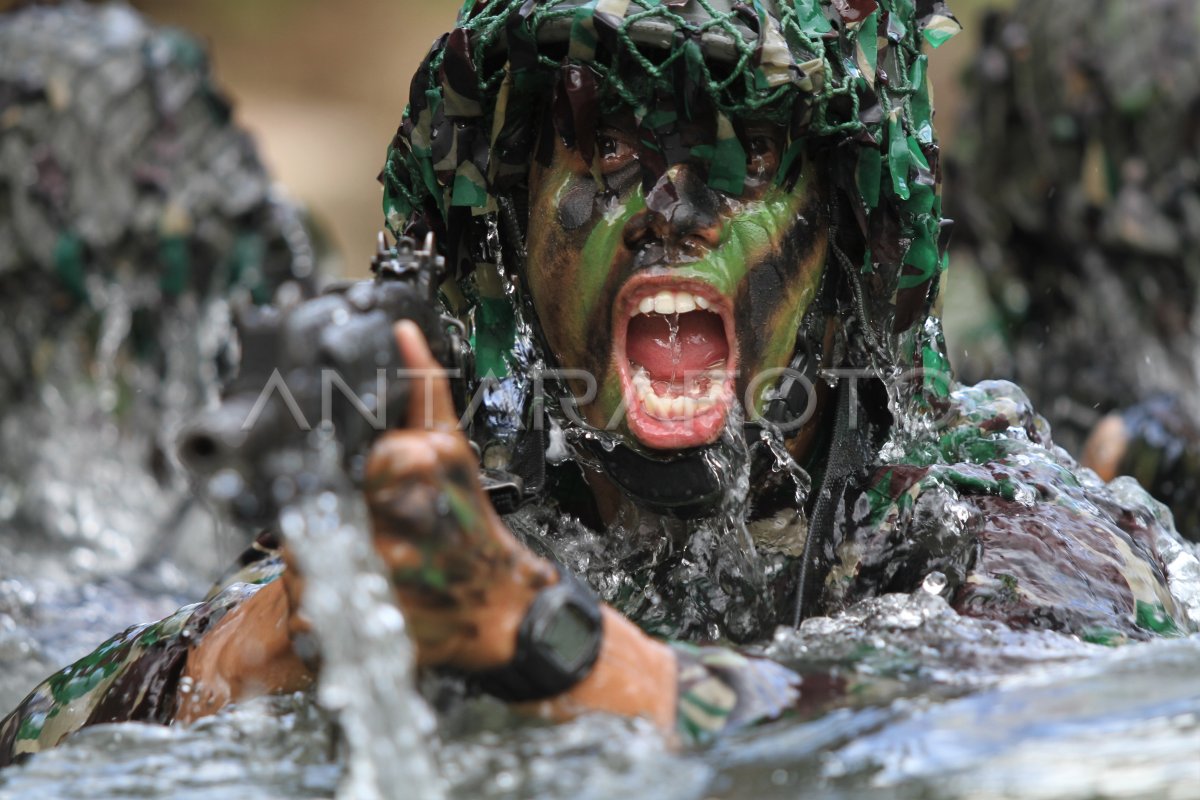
725,220
132,209
1074,190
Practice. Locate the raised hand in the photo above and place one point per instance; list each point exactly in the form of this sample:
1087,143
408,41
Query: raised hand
462,580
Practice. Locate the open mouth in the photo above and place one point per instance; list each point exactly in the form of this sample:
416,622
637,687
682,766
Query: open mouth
676,355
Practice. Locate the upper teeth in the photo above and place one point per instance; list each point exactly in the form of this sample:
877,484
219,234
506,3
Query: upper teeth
672,303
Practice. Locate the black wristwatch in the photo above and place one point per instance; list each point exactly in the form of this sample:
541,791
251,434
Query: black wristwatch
557,644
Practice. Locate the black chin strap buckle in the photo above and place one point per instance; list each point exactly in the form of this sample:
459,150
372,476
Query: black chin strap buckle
504,489
790,399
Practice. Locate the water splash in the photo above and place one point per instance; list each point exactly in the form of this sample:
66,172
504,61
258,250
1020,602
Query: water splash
772,439
268,748
366,658
97,531
699,579
116,412
932,704
675,345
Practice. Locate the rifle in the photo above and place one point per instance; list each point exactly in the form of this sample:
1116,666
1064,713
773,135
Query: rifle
326,366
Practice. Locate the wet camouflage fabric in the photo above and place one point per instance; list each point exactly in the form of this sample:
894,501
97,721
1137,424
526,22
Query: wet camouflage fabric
1075,187
973,489
134,676
721,690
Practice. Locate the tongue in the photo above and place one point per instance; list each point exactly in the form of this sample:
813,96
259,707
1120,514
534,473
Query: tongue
697,343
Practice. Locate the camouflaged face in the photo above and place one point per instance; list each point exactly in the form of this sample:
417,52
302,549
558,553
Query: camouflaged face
846,74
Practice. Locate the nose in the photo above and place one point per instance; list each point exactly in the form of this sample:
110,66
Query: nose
681,212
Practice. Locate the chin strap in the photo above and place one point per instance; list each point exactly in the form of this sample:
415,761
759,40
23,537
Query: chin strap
686,485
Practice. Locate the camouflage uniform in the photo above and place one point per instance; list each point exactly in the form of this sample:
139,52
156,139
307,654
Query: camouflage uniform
135,675
1020,533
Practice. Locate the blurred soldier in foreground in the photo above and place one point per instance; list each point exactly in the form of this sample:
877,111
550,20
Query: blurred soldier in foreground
133,212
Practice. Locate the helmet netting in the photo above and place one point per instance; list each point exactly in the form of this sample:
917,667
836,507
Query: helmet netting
847,73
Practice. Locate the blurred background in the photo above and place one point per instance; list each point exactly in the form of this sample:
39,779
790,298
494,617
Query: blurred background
322,85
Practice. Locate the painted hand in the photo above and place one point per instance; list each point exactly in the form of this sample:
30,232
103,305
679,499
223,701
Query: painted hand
463,582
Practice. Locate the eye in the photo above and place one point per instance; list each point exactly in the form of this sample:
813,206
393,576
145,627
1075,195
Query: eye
615,150
762,153
760,146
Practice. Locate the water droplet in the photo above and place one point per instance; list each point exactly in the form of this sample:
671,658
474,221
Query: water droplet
283,489
225,484
327,502
934,583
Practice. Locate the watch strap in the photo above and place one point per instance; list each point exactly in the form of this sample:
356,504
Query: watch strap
557,644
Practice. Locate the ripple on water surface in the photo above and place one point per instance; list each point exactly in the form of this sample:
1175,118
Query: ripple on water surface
935,705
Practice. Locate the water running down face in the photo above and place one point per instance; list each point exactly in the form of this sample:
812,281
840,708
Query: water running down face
674,295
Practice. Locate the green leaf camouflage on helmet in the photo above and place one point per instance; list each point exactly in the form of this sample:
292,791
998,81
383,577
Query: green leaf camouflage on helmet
846,76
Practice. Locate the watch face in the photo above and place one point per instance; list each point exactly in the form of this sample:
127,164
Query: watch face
570,637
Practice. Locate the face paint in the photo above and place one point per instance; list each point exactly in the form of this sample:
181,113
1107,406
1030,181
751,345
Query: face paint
575,206
676,298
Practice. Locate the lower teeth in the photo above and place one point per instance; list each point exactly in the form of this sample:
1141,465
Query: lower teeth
679,405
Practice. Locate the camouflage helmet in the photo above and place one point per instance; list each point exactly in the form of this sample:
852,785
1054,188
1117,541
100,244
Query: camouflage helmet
845,75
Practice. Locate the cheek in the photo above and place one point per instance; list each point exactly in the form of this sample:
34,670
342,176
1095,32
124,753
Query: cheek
778,291
576,203
561,215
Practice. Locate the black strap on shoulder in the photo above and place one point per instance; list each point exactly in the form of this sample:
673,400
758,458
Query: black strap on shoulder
849,452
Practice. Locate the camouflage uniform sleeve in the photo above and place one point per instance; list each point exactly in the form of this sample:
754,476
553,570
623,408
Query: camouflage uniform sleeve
1021,533
721,690
132,677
